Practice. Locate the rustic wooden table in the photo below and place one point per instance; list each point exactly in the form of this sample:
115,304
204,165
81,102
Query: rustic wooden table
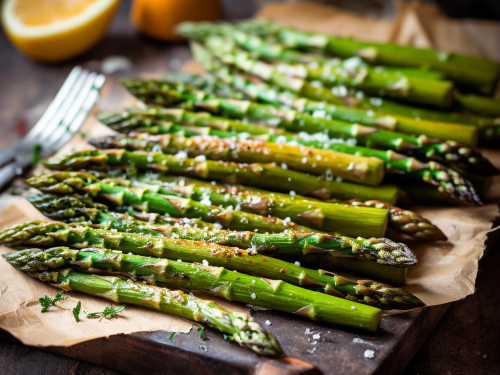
466,340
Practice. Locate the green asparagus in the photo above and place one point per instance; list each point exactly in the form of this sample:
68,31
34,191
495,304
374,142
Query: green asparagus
161,93
287,242
354,168
267,176
242,327
466,70
59,234
233,286
349,221
404,221
335,72
453,186
342,109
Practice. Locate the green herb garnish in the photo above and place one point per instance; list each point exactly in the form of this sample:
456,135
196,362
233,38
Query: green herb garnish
76,311
46,301
201,329
109,312
172,335
228,337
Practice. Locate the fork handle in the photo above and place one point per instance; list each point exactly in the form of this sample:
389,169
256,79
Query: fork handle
7,155
11,171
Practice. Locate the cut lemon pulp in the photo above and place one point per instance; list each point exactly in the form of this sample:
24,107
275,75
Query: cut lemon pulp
55,30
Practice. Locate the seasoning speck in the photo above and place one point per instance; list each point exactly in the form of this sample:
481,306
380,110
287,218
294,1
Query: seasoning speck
369,353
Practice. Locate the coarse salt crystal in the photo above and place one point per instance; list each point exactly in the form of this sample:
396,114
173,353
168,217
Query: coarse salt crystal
182,155
268,322
292,193
369,353
253,296
205,262
316,336
200,158
297,263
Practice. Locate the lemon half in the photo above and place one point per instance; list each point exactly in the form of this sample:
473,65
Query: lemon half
56,30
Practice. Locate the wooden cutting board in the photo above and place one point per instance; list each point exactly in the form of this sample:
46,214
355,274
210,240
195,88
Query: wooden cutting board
335,351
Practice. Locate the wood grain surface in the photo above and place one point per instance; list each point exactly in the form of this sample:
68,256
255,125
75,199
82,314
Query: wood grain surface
465,341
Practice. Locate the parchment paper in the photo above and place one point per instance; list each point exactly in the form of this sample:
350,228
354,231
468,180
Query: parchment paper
446,271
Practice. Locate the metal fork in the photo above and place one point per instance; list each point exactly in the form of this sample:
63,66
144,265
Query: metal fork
59,123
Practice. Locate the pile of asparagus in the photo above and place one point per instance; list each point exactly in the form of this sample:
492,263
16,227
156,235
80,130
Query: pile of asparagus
233,183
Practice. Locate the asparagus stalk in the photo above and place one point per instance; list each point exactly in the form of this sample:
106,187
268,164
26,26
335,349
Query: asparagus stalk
370,111
242,327
340,110
59,234
65,183
267,176
454,187
161,93
233,286
349,73
317,214
466,70
354,222
404,221
287,242
369,171
481,105
125,223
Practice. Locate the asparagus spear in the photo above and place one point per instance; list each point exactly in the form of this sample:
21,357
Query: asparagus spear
287,297
453,186
481,105
65,183
242,327
365,110
363,265
155,92
349,73
287,242
41,233
369,171
267,176
467,70
404,221
353,222
342,109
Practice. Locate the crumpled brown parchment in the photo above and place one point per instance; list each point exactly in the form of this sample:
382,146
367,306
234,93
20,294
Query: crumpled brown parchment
446,270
